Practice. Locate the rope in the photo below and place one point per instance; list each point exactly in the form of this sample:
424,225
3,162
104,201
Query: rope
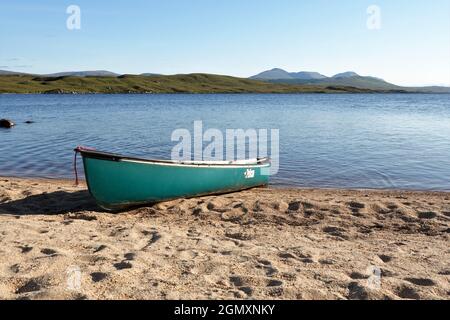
77,150
75,166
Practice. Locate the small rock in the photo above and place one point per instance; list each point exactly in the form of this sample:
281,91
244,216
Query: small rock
5,123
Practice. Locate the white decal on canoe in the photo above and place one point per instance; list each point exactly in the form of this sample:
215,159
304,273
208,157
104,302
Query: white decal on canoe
249,173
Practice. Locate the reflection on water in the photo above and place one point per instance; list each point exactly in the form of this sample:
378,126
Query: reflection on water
347,141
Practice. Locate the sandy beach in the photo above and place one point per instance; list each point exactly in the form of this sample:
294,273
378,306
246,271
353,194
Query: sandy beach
265,243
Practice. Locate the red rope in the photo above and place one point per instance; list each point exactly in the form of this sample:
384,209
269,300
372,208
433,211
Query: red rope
78,149
75,166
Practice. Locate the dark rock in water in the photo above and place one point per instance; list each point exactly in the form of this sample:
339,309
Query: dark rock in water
5,123
29,121
54,91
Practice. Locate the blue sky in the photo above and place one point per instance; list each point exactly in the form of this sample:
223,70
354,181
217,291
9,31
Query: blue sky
235,37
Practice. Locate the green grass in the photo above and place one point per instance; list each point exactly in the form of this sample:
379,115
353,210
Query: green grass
190,83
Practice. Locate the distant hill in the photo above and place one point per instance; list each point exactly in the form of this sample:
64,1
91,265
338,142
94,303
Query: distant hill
307,75
6,72
274,74
344,79
348,74
150,74
94,73
280,74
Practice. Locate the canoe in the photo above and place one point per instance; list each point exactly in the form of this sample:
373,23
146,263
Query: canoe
117,182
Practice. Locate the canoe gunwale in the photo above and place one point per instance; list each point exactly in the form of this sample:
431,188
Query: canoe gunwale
100,155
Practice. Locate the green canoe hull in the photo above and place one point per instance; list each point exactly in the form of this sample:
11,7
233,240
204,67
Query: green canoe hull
118,182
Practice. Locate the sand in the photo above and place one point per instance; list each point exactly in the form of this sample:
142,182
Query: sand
259,244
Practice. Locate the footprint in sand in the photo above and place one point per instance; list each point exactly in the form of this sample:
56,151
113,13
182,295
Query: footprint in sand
30,285
358,276
197,211
27,193
267,266
286,255
241,206
280,206
129,256
239,235
385,258
354,205
297,255
98,276
387,273
25,248
241,285
258,207
193,233
425,282
357,292
154,236
274,283
48,252
294,206
379,209
327,261
336,231
237,281
80,216
275,291
407,292
99,248
247,290
210,206
122,265
392,206
427,215
15,268
233,215
187,255
288,276
445,272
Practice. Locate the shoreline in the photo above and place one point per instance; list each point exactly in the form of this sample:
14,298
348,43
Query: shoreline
374,92
82,181
263,243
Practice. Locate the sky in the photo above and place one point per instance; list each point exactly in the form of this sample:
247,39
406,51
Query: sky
233,37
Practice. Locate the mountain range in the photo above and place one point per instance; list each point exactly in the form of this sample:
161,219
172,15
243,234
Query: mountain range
267,81
346,79
94,73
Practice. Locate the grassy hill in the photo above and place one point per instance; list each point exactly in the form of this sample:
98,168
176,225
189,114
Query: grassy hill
190,83
354,81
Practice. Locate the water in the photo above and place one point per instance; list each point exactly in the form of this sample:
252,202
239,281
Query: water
345,141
